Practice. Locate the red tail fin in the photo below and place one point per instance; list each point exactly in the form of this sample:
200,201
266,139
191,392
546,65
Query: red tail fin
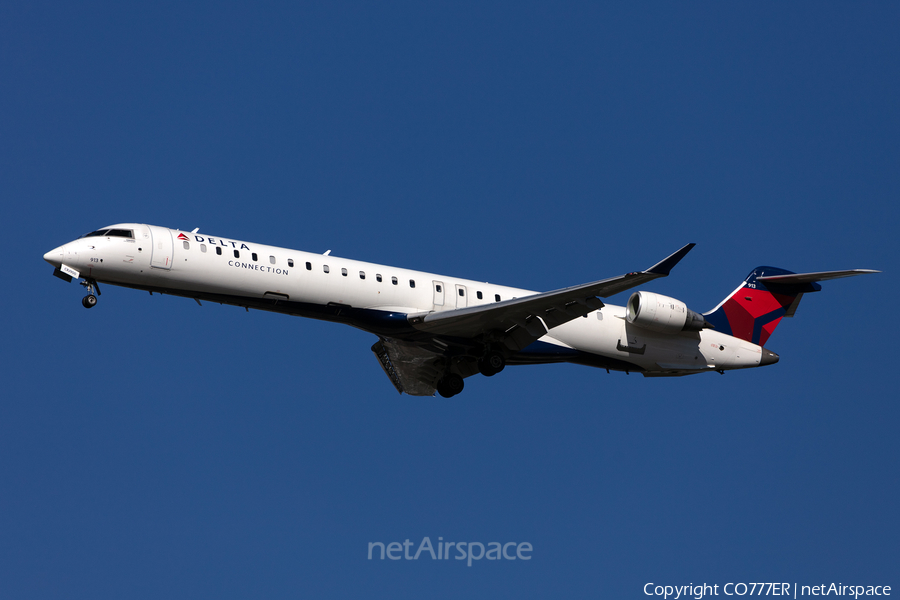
753,311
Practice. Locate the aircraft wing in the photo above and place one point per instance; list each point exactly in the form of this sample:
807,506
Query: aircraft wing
520,321
411,369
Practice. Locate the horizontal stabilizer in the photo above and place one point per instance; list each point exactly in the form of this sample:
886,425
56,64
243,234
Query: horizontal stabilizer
796,278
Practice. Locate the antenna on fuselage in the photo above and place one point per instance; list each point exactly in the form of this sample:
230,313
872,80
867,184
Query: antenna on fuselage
196,229
327,252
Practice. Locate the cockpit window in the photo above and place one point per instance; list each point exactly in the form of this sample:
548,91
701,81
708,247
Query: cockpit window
125,233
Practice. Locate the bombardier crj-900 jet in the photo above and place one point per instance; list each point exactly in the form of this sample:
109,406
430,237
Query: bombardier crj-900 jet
433,330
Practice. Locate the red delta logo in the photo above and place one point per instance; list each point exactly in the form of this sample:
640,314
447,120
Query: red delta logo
181,236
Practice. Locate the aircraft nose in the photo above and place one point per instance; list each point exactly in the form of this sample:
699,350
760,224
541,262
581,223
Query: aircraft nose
768,358
55,256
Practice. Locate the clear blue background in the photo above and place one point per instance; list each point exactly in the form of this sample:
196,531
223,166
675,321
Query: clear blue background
152,448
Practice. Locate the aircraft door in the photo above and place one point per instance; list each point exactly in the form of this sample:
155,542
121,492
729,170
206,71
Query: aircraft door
461,300
438,294
162,247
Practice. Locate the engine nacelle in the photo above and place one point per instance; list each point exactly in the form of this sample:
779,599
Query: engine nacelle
661,313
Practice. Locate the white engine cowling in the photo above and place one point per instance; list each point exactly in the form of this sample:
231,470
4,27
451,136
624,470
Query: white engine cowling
661,313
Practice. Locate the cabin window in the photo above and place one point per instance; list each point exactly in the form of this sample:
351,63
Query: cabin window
237,254
187,245
326,269
218,251
362,274
253,256
599,316
462,292
437,288
496,297
412,283
344,272
271,260
309,266
378,277
290,262
478,295
394,280
202,247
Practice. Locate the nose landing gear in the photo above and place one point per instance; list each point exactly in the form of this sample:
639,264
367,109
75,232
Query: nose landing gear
90,301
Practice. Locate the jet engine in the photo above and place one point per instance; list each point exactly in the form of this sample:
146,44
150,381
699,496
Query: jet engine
663,314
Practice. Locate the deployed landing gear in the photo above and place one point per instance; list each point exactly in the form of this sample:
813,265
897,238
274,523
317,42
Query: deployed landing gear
450,385
90,301
491,364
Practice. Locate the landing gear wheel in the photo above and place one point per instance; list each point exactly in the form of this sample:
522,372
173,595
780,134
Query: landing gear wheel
90,300
491,364
450,385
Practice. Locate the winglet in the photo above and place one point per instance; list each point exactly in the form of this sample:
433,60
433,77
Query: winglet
663,267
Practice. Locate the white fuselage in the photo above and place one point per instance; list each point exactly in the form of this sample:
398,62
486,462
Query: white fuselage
230,271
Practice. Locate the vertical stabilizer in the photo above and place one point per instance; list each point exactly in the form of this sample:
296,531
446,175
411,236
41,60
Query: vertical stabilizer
753,310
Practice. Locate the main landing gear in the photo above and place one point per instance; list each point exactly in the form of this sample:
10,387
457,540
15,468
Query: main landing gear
491,364
450,385
90,301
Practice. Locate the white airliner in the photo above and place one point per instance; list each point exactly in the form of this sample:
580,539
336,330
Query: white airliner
436,330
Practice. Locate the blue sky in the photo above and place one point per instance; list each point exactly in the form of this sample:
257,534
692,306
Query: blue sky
151,447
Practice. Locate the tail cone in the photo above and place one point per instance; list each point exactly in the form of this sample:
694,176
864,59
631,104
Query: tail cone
768,358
